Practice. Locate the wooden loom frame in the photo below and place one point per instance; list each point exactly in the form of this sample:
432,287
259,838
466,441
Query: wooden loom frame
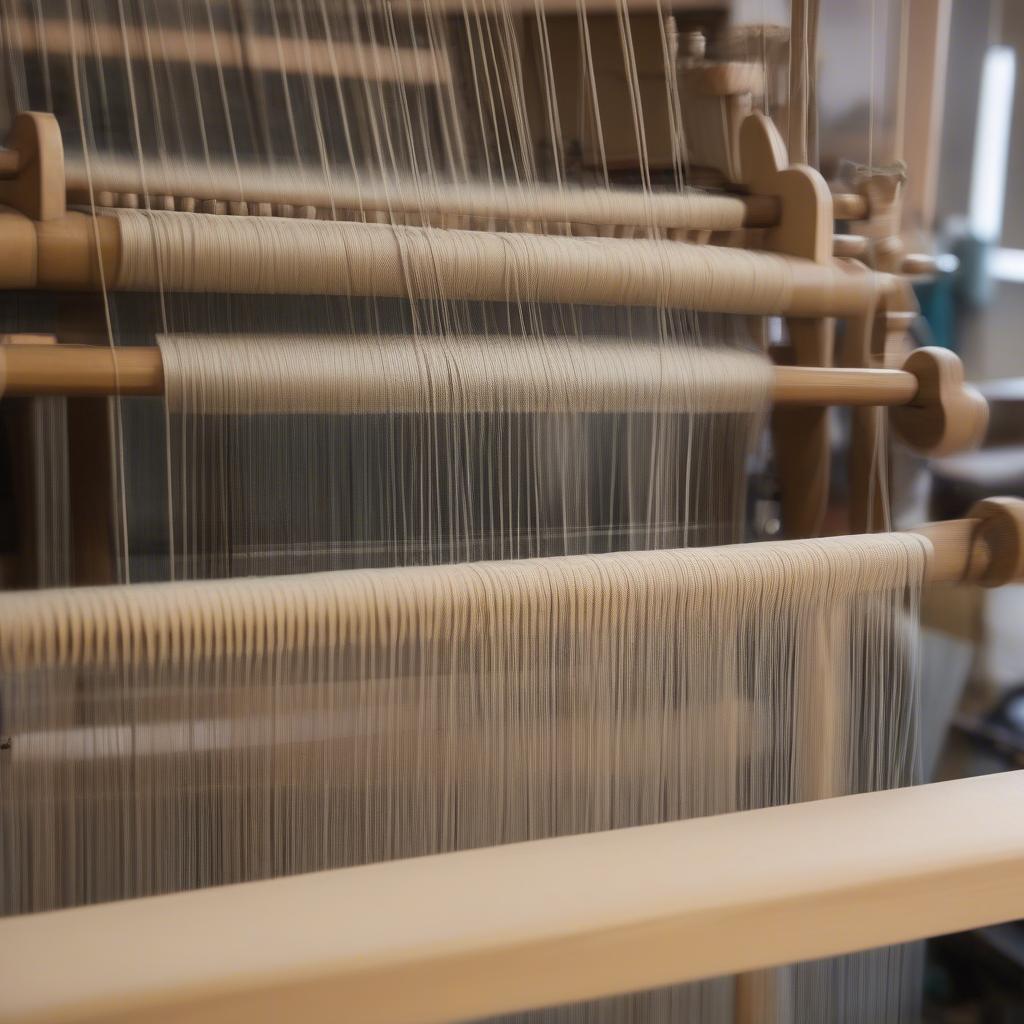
801,431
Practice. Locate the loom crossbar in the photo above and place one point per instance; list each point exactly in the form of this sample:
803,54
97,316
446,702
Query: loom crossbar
537,202
75,370
248,51
92,625
466,935
183,252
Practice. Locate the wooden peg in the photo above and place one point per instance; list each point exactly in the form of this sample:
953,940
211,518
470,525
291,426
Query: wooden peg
918,264
33,181
1001,530
850,246
850,206
947,415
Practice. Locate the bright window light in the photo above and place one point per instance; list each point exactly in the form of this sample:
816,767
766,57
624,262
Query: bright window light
1007,265
991,143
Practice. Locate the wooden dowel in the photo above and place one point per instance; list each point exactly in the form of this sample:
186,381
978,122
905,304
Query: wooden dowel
298,186
108,177
78,370
493,931
850,246
230,49
849,206
96,370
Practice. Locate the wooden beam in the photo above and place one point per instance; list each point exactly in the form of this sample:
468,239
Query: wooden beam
926,45
491,931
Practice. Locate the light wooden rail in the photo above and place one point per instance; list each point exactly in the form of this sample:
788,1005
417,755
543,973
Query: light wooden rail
467,935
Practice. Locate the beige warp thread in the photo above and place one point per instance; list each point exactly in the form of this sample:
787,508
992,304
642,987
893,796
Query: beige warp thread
251,255
174,736
166,737
146,624
404,450
458,374
190,183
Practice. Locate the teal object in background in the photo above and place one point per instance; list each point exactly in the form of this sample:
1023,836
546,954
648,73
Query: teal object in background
962,282
974,284
938,308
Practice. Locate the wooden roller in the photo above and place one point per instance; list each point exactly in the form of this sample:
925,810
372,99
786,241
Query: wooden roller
87,626
79,252
934,410
466,935
43,246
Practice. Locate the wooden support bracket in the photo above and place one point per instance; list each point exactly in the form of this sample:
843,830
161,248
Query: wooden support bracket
947,415
804,229
32,167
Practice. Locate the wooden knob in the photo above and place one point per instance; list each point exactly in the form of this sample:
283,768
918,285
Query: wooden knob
946,415
1001,530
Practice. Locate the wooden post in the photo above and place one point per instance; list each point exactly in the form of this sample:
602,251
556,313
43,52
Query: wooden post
926,48
92,482
804,229
801,436
39,559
